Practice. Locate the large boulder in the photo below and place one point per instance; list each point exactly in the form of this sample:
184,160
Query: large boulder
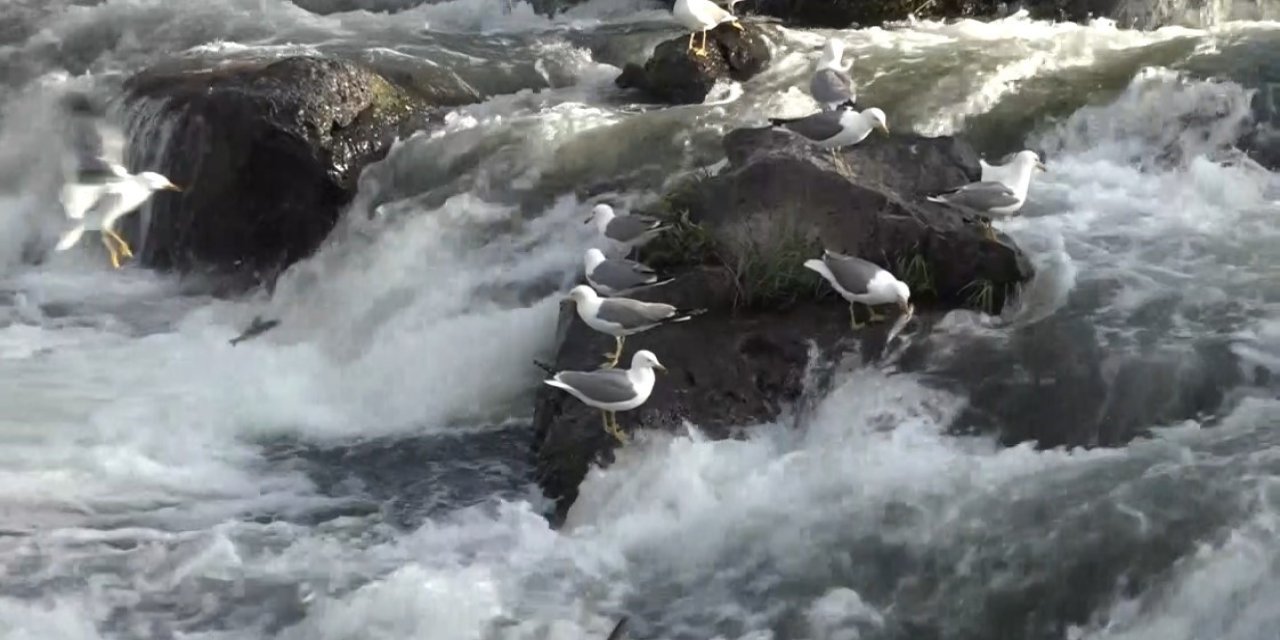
675,75
738,253
268,152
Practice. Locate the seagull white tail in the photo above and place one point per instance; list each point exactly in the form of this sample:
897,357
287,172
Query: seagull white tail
556,383
70,238
813,264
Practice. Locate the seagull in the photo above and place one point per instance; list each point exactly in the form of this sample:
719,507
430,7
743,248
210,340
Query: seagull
834,129
699,16
1001,192
612,276
612,390
632,231
621,317
830,84
857,280
102,190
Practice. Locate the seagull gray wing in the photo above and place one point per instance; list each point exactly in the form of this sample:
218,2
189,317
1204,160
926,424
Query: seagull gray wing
606,386
829,86
627,228
852,273
634,314
622,274
982,196
818,126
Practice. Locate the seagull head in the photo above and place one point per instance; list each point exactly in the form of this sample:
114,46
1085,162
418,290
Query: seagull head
592,258
157,182
1028,158
644,359
602,214
903,294
582,293
877,116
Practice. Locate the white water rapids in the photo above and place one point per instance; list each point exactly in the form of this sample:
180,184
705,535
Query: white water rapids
362,471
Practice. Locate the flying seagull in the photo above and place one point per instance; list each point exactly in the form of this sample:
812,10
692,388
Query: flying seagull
830,84
700,16
102,190
612,390
621,317
632,231
612,276
857,280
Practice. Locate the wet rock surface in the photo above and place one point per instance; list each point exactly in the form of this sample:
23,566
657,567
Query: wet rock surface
268,152
675,75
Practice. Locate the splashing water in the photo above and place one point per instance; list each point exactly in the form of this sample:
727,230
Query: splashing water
362,470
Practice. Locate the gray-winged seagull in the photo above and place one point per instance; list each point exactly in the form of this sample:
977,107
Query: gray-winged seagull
621,317
612,390
857,280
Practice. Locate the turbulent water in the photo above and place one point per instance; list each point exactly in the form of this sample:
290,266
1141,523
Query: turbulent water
363,471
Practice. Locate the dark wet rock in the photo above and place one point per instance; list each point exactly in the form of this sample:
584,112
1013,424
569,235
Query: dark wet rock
269,152
840,14
745,360
1263,146
675,75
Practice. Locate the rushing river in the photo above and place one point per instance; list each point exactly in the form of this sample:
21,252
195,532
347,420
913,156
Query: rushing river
363,471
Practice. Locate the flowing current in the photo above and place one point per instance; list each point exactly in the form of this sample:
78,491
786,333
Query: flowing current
364,470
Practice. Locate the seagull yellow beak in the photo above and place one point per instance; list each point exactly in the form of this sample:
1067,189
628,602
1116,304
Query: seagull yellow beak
659,367
885,129
1040,166
173,187
907,308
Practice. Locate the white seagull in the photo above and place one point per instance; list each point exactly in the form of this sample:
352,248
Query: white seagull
102,190
833,129
857,280
612,276
1001,192
612,390
700,16
632,231
830,84
621,317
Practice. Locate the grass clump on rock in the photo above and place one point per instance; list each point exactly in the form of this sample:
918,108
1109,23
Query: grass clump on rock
764,252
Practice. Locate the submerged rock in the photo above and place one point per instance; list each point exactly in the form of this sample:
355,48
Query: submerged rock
740,255
269,152
675,75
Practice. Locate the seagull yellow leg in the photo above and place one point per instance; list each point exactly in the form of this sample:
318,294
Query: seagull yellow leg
691,35
115,258
615,429
875,316
701,52
853,318
124,246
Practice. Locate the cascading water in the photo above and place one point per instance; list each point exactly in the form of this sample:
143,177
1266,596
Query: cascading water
362,471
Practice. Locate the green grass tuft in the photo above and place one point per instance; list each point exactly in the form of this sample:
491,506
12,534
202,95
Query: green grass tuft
982,296
766,255
916,272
